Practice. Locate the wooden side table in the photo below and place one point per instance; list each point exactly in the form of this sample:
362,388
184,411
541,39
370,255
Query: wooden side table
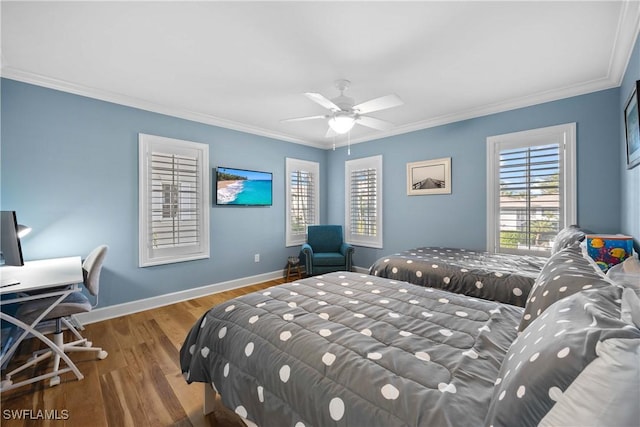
293,268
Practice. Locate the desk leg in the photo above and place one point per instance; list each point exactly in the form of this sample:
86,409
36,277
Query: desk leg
71,366
25,331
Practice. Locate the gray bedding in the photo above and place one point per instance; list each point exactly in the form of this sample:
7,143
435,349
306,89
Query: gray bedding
347,349
498,277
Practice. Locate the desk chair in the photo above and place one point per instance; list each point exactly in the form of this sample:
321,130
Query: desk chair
75,303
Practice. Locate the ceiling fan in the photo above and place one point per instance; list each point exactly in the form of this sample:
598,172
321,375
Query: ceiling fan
344,114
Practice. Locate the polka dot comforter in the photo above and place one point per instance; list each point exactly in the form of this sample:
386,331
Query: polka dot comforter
505,278
347,349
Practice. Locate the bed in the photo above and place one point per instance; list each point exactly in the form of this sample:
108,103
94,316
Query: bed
350,349
499,277
353,349
506,278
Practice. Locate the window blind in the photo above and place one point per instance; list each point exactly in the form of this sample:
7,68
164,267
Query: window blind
364,202
302,203
175,201
530,197
173,195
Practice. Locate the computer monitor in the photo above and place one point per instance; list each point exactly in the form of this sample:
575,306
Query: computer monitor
11,250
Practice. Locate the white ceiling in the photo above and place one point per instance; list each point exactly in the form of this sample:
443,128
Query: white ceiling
246,65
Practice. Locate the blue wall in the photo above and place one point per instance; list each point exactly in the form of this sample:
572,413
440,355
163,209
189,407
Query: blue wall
459,219
70,170
630,178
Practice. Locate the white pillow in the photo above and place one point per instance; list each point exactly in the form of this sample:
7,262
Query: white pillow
607,391
630,308
627,273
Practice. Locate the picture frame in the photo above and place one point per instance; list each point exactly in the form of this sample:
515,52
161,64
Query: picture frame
429,177
632,128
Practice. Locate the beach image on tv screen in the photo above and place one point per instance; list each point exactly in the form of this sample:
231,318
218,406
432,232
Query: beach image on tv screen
243,187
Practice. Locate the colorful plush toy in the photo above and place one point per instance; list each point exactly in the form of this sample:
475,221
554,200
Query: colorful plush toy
609,250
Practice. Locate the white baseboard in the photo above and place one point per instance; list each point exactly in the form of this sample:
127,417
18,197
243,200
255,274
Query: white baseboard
100,314
112,311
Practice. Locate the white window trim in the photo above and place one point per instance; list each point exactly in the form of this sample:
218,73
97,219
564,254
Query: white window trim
292,165
374,162
567,133
148,144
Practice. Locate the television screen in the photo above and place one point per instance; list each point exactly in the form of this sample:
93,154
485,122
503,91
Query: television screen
243,187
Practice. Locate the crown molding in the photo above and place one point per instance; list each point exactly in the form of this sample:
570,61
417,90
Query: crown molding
499,107
548,96
627,33
626,36
129,101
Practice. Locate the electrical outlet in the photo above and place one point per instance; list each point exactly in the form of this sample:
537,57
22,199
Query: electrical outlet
256,258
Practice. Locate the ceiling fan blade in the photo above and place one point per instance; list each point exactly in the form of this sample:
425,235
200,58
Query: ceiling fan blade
299,119
378,104
374,123
322,100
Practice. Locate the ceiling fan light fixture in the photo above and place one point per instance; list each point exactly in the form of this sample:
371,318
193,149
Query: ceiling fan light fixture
341,124
344,113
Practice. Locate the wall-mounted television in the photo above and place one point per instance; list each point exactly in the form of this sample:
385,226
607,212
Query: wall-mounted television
242,187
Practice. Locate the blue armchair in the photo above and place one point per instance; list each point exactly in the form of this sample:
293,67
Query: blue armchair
325,250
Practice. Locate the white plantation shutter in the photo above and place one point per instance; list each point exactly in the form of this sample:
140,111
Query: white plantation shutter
302,210
174,214
531,188
530,201
364,206
302,205
174,200
364,201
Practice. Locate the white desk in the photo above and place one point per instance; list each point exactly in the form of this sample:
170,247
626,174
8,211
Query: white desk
39,276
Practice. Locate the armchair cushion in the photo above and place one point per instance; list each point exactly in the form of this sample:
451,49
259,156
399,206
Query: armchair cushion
329,258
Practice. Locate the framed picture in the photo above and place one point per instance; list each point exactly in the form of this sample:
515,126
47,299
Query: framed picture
429,177
632,128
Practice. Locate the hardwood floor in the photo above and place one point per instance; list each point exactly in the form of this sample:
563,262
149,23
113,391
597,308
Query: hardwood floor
138,384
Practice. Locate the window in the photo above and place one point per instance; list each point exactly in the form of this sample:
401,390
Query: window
531,191
363,179
303,199
173,208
